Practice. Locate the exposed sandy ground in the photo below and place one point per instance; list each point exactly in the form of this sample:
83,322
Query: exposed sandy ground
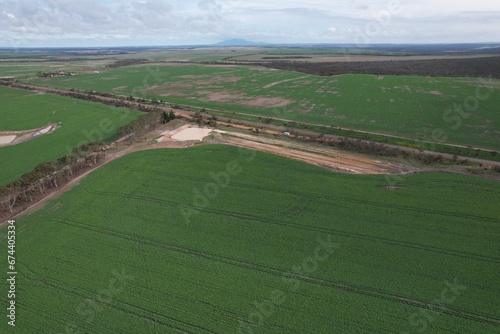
192,134
320,156
43,131
7,139
313,154
179,89
185,133
283,81
266,102
24,135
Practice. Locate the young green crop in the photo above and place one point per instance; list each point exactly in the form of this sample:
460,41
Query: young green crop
220,239
78,122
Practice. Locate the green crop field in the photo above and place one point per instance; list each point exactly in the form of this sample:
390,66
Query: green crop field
216,239
30,69
78,123
447,110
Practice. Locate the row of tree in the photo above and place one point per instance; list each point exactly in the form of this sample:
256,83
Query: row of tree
140,104
167,117
127,62
373,148
153,118
50,174
54,74
47,175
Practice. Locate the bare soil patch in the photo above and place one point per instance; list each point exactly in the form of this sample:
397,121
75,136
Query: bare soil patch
192,134
267,102
223,96
324,157
282,81
208,88
186,132
193,76
209,79
392,188
9,138
243,99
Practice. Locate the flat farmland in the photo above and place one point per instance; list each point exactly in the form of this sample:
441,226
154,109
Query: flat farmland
216,239
31,68
459,111
77,121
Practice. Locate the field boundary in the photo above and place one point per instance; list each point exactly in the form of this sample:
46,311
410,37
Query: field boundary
322,158
407,144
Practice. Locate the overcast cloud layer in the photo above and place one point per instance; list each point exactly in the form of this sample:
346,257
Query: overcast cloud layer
25,23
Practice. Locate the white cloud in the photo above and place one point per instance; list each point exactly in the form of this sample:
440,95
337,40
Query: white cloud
9,15
56,22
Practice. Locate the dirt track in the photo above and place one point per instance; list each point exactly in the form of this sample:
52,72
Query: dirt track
56,192
319,156
325,157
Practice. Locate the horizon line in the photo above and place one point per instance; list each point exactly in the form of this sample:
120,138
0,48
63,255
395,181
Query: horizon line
256,44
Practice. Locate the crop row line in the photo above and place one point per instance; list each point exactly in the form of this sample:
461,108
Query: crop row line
85,294
363,290
248,217
319,197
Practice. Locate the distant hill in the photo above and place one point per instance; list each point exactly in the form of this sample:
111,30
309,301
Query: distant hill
239,42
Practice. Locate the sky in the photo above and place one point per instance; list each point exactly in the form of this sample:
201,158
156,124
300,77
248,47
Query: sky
86,23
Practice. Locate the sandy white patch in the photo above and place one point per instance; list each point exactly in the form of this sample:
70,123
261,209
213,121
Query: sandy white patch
7,139
192,134
43,131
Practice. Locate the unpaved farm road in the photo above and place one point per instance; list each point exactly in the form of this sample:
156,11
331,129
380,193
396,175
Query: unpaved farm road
324,157
54,193
320,156
277,129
